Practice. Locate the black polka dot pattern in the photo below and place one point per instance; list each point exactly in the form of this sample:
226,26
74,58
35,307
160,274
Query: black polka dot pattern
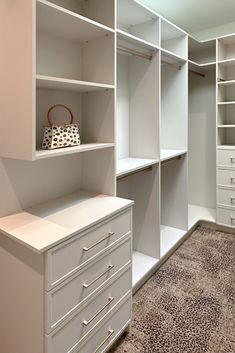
61,136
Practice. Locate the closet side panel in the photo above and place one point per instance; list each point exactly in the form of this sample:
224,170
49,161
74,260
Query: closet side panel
202,140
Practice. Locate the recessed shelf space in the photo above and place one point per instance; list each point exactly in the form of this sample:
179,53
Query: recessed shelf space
101,11
199,213
174,84
93,111
173,40
143,188
137,108
174,203
226,137
71,48
202,53
226,74
226,48
138,20
226,94
166,155
128,166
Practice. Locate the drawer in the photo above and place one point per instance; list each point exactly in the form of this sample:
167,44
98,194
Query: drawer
226,197
66,298
226,158
66,258
226,177
226,217
68,338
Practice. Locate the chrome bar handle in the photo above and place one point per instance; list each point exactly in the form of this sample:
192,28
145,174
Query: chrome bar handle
111,332
232,158
232,219
232,179
98,242
232,198
86,323
87,285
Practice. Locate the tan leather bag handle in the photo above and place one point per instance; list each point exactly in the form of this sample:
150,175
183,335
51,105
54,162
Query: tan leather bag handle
55,106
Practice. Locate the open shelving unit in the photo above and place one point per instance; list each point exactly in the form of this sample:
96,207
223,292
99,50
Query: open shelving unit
174,41
202,53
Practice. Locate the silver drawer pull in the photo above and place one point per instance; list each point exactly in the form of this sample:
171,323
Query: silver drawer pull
98,242
110,332
86,323
232,158
232,179
87,285
232,198
232,219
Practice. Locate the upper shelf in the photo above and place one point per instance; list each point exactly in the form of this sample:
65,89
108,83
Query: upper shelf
226,83
126,166
50,82
171,57
133,41
166,154
67,24
42,227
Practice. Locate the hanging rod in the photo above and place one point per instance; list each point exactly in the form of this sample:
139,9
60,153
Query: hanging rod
139,172
197,73
135,53
177,66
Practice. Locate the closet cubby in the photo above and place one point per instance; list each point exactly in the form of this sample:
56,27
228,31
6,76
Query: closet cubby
93,111
201,53
226,137
101,11
226,48
174,203
226,73
173,39
138,21
174,108
226,93
137,112
226,116
143,188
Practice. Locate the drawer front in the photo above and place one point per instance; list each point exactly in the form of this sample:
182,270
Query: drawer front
226,177
68,337
226,217
67,298
226,158
105,336
67,258
226,197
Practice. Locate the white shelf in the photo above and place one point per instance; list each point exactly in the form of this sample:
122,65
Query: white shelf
196,213
67,24
202,65
136,41
129,165
50,82
169,238
226,126
226,103
42,227
226,147
40,154
171,58
226,83
142,265
170,154
227,62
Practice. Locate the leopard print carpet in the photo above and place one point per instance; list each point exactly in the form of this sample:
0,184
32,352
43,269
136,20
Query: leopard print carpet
187,306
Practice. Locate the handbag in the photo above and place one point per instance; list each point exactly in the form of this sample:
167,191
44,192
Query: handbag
59,136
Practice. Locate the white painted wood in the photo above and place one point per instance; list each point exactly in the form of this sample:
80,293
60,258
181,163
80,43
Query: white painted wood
143,188
67,24
199,213
202,53
225,197
70,150
49,82
129,165
226,216
17,108
169,154
170,57
174,194
225,158
202,139
142,264
98,10
173,39
131,39
226,177
117,321
63,302
58,219
169,238
21,298
72,254
226,48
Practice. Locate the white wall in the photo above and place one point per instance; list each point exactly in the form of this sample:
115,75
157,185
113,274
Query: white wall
214,32
202,150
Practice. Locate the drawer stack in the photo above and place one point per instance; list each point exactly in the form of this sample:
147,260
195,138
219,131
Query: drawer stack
88,288
226,187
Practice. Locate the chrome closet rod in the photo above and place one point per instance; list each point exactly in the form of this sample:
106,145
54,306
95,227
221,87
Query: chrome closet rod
135,53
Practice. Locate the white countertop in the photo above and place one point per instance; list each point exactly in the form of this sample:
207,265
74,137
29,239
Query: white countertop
42,227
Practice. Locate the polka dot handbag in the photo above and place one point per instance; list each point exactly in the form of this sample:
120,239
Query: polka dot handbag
59,136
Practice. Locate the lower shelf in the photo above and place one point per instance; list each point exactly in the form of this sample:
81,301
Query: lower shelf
196,213
169,238
129,165
142,264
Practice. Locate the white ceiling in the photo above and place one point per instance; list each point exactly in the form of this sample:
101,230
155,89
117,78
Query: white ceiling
195,15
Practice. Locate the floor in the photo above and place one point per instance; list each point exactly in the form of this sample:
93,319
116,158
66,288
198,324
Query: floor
188,305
